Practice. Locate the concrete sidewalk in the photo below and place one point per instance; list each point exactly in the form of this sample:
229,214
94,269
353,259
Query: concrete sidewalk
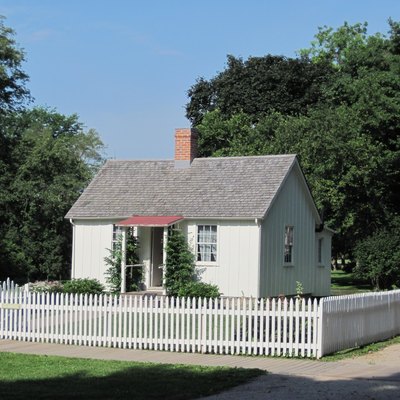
381,365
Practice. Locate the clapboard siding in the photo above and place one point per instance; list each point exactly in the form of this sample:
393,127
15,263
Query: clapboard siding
291,207
236,271
92,238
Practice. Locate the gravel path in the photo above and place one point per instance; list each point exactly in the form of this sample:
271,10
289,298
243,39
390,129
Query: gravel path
373,376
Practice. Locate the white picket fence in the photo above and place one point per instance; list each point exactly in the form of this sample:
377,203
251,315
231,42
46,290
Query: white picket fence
9,285
225,326
292,328
359,319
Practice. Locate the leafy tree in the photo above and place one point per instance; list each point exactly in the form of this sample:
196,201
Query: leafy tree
347,137
49,163
258,86
13,92
378,257
46,159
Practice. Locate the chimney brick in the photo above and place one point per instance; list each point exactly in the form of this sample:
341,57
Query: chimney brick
185,144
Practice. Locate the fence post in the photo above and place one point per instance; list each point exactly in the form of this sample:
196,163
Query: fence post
320,327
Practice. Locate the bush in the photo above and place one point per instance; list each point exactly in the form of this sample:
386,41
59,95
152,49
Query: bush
179,268
46,287
378,257
89,286
199,289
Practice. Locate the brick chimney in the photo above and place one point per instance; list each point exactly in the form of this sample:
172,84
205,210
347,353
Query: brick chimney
185,147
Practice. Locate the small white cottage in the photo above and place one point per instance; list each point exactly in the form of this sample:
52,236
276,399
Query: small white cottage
251,221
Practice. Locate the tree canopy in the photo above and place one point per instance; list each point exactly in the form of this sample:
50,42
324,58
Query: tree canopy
13,90
343,122
46,160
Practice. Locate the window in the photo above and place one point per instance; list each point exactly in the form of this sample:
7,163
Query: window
288,253
207,243
116,236
319,253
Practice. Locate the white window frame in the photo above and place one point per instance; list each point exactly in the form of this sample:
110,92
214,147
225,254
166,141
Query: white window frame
216,244
116,236
288,247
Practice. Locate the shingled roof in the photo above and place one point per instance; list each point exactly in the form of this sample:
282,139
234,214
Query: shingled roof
242,187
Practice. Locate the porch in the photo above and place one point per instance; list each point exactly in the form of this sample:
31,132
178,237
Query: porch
152,232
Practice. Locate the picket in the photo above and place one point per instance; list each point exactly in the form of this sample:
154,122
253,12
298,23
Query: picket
279,327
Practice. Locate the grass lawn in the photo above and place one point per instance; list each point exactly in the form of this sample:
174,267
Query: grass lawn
345,283
361,351
47,377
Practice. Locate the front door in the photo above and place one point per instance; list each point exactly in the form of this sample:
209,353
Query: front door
156,256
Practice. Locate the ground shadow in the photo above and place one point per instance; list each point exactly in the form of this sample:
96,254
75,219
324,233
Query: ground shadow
284,387
141,381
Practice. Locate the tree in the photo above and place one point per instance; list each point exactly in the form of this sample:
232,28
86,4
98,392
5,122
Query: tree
347,138
50,162
179,268
258,86
378,257
13,92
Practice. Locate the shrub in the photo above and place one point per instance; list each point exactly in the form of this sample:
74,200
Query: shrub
89,286
199,289
46,287
378,257
179,268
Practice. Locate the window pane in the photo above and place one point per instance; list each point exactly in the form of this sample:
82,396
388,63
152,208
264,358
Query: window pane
207,243
288,244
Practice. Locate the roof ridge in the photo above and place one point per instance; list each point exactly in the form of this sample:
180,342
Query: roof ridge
247,157
207,158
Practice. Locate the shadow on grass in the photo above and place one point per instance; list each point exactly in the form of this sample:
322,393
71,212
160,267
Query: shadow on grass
94,379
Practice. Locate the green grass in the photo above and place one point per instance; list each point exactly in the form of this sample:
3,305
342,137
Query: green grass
48,377
345,283
361,351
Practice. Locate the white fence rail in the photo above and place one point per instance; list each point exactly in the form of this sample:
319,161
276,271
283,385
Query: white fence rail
225,326
356,320
290,328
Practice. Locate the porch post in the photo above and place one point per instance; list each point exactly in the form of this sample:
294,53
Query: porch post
165,240
123,261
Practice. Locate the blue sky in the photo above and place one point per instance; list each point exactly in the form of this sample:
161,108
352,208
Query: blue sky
125,66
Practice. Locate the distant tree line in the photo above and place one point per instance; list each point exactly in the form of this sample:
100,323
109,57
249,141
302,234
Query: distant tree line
336,105
46,160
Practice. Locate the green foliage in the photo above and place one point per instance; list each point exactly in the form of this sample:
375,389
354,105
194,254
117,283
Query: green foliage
179,268
83,286
258,86
336,47
179,279
13,93
48,162
347,136
299,289
378,257
134,276
199,289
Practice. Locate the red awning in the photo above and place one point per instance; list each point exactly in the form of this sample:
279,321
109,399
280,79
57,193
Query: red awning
139,220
